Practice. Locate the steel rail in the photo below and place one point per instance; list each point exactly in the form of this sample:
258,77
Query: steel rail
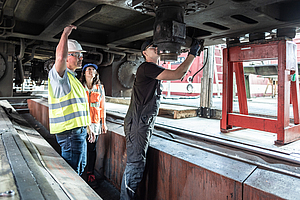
43,164
270,153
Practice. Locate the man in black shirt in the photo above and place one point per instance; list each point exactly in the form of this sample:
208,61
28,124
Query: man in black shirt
142,112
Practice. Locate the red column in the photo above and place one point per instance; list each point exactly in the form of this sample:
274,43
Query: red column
241,87
227,93
283,106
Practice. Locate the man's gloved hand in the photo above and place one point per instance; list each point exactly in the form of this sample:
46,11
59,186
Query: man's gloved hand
194,47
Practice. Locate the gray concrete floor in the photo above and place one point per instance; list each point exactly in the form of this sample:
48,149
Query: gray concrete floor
259,106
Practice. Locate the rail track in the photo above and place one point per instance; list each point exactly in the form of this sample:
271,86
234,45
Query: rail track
270,159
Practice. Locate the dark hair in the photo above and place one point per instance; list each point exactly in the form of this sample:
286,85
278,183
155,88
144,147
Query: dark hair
146,44
96,79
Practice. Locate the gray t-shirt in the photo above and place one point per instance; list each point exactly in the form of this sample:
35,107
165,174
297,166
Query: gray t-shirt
60,85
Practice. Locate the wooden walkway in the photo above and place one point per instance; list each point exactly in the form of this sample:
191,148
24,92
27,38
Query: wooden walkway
31,167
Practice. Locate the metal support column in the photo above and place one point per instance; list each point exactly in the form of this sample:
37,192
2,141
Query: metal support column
281,49
207,85
7,52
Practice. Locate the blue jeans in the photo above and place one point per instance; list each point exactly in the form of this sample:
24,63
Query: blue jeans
74,147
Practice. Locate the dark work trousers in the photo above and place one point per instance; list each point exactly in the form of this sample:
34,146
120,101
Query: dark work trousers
138,127
101,151
91,156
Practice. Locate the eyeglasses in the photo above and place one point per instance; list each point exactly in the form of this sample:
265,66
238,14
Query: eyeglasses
76,54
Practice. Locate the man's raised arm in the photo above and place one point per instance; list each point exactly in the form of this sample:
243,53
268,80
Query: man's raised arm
61,54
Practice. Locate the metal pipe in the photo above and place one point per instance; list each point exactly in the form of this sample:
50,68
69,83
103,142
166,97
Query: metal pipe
5,2
110,60
16,7
39,46
10,27
2,16
3,33
19,60
19,67
122,54
119,59
115,52
30,43
95,53
22,49
10,42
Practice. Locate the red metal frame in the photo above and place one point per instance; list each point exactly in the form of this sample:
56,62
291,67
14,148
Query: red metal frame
285,52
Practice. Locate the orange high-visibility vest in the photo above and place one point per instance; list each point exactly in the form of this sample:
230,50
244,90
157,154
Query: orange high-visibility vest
96,103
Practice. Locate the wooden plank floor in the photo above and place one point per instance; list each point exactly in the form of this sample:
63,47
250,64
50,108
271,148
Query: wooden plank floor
6,175
177,112
40,172
105,188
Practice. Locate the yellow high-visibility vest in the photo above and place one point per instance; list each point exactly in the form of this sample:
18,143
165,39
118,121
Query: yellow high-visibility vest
70,111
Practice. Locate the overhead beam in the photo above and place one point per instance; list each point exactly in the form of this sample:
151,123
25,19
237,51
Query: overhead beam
71,14
132,33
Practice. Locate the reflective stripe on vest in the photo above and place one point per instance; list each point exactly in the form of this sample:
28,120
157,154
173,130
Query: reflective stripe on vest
95,104
70,111
67,102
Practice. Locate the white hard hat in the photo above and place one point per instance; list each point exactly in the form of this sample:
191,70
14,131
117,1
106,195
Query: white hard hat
74,46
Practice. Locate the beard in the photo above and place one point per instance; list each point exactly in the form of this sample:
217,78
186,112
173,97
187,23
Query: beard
79,65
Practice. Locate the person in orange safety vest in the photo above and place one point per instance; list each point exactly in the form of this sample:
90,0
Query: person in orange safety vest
96,99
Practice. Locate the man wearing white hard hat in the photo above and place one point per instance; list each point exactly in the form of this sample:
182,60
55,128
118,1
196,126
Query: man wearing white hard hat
68,105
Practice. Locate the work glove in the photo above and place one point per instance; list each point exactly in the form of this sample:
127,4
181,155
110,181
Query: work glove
194,47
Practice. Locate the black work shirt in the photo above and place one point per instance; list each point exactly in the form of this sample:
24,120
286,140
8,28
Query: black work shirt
145,83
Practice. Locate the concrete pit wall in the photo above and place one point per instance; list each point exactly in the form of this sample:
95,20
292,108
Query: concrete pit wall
177,171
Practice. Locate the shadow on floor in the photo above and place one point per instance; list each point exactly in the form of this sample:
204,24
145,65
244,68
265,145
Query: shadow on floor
107,191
